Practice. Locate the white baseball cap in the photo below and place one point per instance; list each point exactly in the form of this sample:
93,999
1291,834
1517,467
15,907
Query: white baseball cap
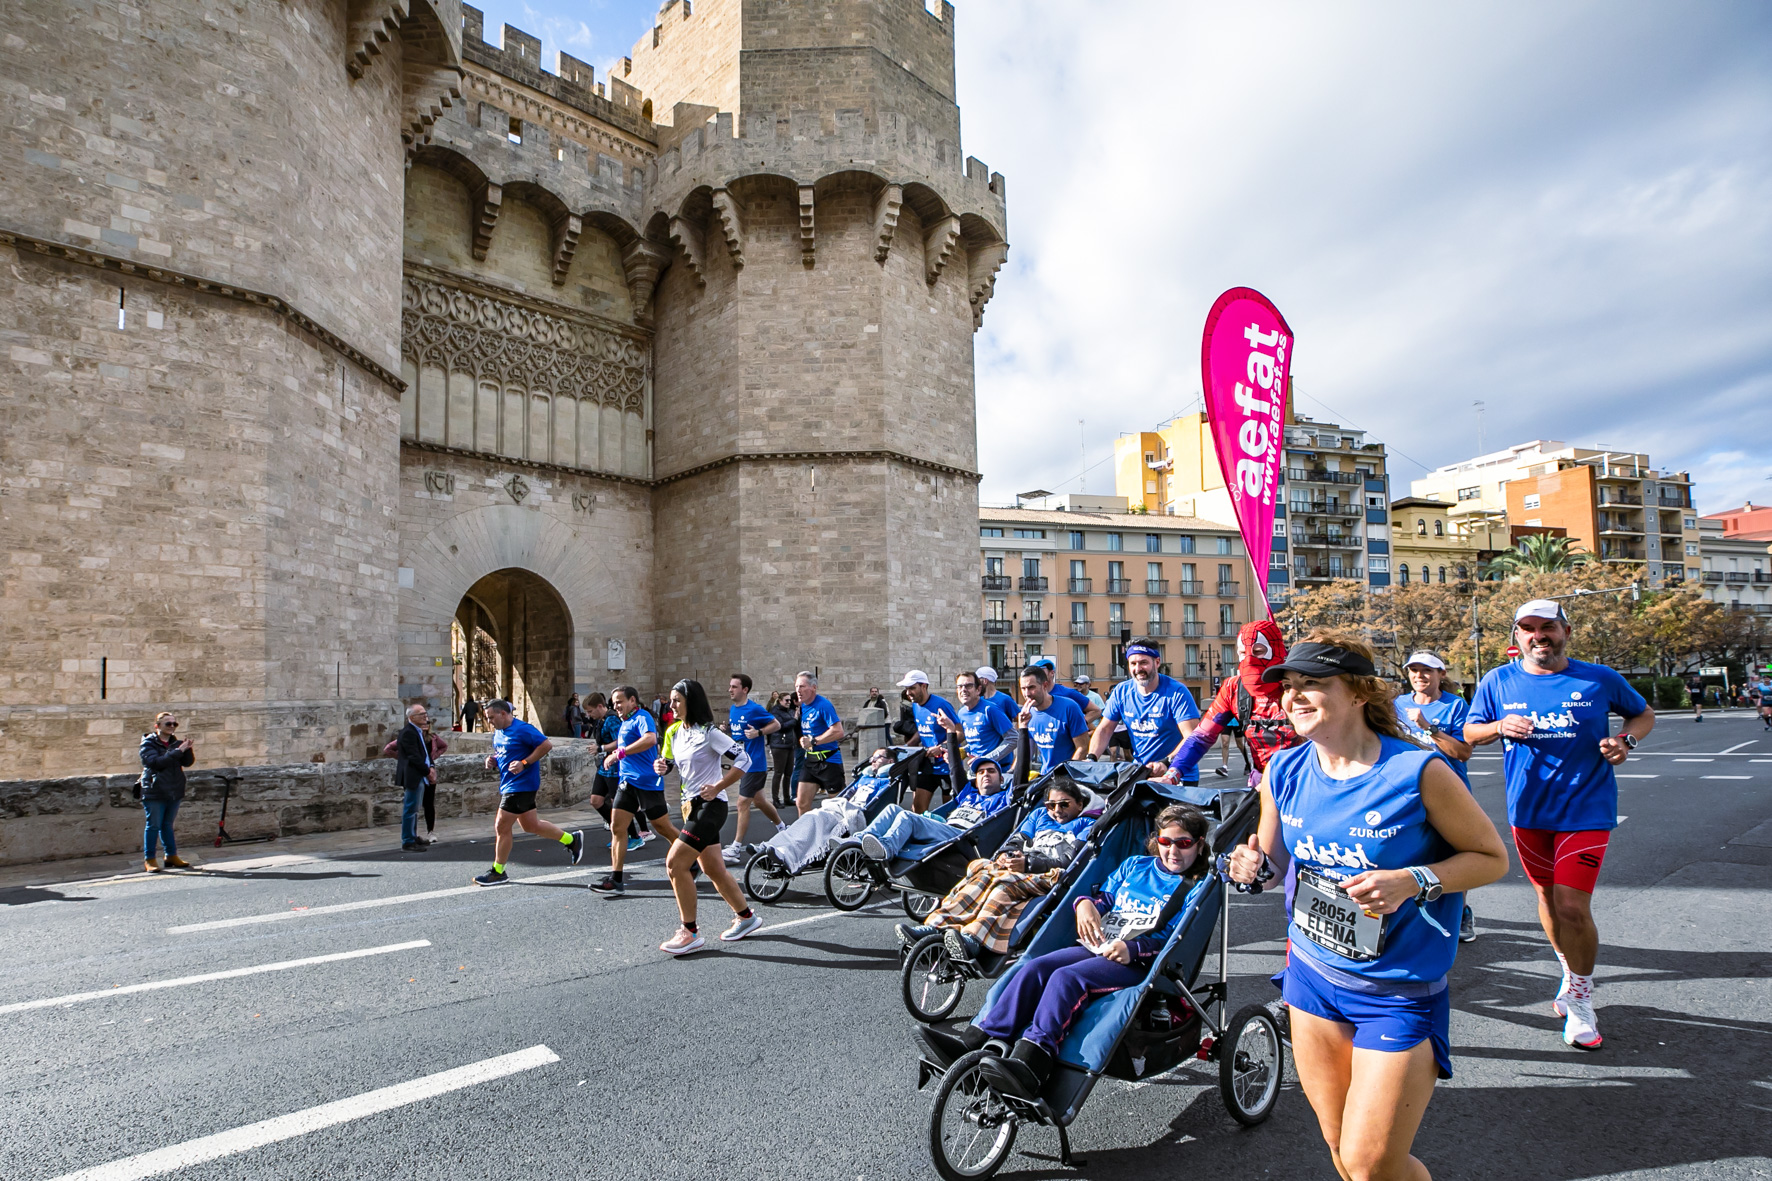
1081,680
915,677
1425,659
986,673
1540,609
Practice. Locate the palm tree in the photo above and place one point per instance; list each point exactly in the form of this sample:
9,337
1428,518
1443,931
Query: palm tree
1537,553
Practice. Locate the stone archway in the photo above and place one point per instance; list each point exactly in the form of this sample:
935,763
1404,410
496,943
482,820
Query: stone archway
514,635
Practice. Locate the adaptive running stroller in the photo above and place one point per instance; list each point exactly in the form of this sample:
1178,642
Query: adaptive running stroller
1136,1032
922,881
774,864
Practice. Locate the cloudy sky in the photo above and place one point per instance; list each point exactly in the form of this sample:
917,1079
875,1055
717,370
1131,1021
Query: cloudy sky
1563,210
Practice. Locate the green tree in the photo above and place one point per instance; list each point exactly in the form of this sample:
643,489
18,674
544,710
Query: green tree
1537,553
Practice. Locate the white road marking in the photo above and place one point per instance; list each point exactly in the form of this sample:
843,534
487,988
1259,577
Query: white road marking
821,916
278,916
1623,776
299,1123
1696,760
75,998
1760,760
1485,772
1728,776
1738,746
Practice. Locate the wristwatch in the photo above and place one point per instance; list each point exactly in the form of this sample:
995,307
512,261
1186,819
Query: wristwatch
1429,883
1629,740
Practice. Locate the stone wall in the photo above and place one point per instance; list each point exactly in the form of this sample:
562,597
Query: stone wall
51,819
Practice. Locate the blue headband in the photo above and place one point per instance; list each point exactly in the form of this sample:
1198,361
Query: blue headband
1140,648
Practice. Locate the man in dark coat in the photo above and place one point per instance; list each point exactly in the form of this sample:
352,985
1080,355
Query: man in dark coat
413,771
164,759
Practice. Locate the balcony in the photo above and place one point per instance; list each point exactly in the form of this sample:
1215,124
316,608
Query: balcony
1619,553
1762,577
1713,576
1193,672
1082,627
1081,586
1032,584
1333,540
995,582
1186,587
1611,496
1228,627
1739,576
1192,629
1614,528
1119,586
1082,670
1156,586
1228,590
1299,475
997,627
1035,627
1157,627
1328,572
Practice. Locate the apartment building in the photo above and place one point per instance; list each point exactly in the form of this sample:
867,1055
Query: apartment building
1612,504
1736,568
1079,581
1333,521
1429,544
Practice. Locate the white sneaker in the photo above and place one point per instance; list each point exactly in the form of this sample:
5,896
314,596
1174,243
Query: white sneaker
683,942
647,837
740,928
1580,1028
1557,1006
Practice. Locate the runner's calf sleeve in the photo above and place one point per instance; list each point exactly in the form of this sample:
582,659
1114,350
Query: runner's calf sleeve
604,811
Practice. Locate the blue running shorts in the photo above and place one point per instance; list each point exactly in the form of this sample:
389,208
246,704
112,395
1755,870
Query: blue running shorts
1381,1022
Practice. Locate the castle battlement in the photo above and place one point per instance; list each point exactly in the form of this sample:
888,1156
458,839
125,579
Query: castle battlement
519,60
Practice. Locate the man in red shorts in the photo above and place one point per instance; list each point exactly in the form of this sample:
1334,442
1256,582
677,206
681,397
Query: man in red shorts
1554,715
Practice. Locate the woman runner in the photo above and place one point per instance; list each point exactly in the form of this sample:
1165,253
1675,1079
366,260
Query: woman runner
695,746
1386,839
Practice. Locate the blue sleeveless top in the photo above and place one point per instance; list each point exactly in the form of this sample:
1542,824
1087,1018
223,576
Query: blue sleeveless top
1338,828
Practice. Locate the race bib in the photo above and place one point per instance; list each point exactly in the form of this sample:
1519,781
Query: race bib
1323,912
965,817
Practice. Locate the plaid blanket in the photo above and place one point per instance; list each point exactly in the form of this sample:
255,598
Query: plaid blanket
989,900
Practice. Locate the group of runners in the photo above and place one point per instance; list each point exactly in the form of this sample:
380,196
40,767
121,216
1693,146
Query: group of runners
1365,803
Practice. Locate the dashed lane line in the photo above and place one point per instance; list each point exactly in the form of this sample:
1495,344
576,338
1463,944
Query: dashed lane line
278,916
75,998
300,1123
1621,775
1728,777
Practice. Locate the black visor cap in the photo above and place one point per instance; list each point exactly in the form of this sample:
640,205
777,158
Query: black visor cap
1320,660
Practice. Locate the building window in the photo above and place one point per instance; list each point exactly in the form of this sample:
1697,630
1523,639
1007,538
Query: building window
1150,457
1463,573
1077,568
1227,656
1076,539
993,566
1379,565
1426,575
1402,573
1279,526
1691,549
1691,522
999,655
1116,615
1276,561
989,531
996,609
1439,529
1156,610
1421,526
1079,612
1224,545
1153,543
1079,654
1030,567
1186,541
1531,500
1031,534
1031,609
1442,574
1116,543
1469,493
1153,571
1033,652
1374,500
1117,572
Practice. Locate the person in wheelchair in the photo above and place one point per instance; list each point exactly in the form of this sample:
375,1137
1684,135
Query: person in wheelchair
898,831
1116,938
812,832
978,914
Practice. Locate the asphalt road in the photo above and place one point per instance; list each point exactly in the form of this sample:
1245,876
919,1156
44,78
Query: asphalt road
568,1046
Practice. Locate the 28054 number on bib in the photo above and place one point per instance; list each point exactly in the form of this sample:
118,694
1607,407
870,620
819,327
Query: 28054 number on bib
1322,910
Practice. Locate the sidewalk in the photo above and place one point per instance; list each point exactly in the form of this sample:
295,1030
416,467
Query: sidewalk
198,849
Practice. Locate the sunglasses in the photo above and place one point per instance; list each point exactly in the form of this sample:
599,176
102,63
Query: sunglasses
170,725
1181,842
1055,805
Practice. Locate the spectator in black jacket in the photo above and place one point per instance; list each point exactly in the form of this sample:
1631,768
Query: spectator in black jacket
415,771
164,759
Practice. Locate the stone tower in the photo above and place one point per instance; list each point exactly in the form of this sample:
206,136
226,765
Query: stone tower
815,442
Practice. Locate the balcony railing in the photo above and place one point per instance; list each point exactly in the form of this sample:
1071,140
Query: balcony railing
997,627
1156,586
1761,576
1186,587
1228,590
1327,572
1338,540
1082,627
1228,627
1299,475
1192,628
1608,496
1193,672
1157,627
1034,627
1081,586
1713,576
1119,586
995,582
1082,670
1034,583
1739,576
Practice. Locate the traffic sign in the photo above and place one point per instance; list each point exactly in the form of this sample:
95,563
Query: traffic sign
1513,651
1713,670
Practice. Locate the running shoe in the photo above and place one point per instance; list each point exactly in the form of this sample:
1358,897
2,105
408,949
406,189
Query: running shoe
647,837
910,934
872,849
491,877
635,843
683,942
610,886
1221,772
740,928
1467,927
958,946
577,848
1557,1006
1580,1028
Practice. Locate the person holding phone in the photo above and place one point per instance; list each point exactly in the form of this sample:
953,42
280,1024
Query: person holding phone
164,759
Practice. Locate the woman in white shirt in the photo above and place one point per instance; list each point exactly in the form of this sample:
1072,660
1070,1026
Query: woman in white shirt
694,746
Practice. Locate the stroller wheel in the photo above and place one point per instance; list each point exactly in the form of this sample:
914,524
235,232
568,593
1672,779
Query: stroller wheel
1250,1064
931,984
916,905
848,879
971,1129
764,878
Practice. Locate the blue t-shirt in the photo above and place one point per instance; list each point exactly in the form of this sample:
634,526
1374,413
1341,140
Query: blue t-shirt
637,768
1448,713
815,719
608,728
1081,701
751,714
1556,777
1134,897
970,807
930,730
1003,704
513,744
1052,729
1338,828
985,728
1152,719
